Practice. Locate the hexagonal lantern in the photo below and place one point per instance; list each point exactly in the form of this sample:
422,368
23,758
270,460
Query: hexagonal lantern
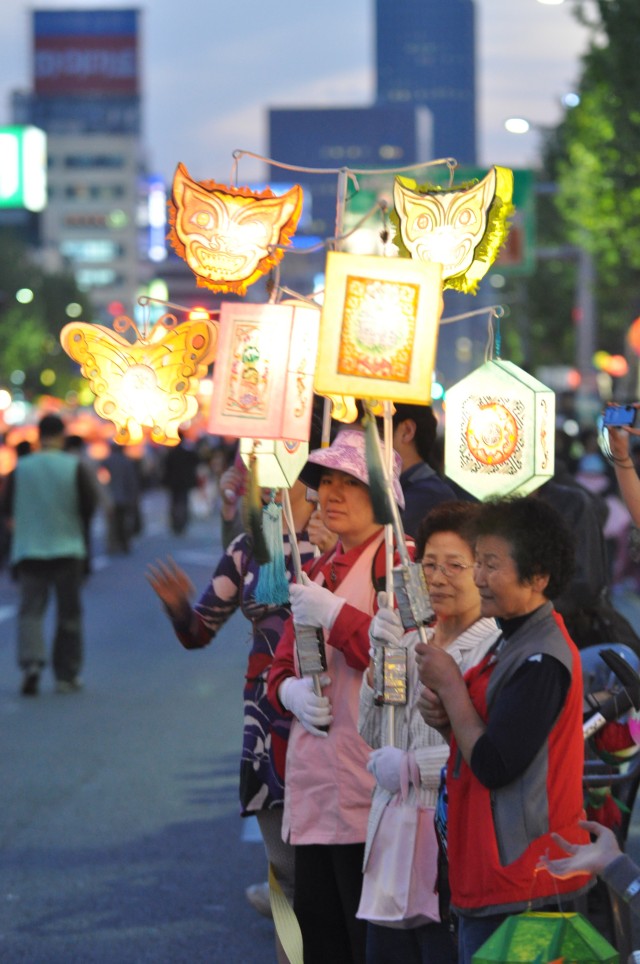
278,462
500,431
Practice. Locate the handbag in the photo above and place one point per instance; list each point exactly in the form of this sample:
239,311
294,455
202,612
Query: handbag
399,883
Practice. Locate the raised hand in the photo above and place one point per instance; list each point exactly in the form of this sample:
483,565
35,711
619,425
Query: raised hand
173,587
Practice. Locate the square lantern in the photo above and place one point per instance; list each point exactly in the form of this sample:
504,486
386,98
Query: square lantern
499,431
263,376
537,936
278,462
379,328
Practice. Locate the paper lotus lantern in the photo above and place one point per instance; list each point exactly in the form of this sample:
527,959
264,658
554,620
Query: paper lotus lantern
227,235
379,328
151,382
278,463
538,937
462,229
263,378
499,431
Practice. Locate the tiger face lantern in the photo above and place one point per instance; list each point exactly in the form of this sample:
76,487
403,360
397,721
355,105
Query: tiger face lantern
230,237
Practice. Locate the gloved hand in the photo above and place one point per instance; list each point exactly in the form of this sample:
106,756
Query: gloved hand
313,605
386,627
385,764
297,695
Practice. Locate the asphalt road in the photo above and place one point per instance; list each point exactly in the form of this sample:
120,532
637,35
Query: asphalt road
120,839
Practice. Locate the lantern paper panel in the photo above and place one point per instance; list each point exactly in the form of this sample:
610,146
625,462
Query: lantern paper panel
535,937
263,379
500,431
463,229
278,462
229,236
379,328
150,383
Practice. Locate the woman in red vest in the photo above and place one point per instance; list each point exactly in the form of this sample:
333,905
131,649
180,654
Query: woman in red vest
515,726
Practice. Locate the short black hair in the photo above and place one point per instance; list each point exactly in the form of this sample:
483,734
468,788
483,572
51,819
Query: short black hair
50,426
541,543
426,426
458,517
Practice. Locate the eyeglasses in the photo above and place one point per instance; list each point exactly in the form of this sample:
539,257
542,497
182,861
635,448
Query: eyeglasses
449,569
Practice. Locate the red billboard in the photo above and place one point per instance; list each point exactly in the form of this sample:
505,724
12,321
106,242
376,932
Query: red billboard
85,52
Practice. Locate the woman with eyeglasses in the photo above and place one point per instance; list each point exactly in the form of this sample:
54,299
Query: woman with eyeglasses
444,545
514,776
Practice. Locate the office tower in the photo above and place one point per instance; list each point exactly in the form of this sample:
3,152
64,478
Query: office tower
86,97
383,136
425,54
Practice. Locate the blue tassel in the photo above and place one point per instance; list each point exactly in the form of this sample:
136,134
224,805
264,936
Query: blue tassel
272,588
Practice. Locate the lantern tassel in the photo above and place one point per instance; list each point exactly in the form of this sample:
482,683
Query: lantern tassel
252,514
272,588
378,484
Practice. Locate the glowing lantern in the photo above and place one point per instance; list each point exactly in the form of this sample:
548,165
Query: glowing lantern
461,229
617,366
151,382
500,431
539,937
227,235
278,462
379,328
633,336
264,371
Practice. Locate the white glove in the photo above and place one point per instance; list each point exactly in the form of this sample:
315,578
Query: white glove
313,605
385,765
386,629
296,694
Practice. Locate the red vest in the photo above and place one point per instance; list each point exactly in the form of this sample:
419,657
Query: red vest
478,878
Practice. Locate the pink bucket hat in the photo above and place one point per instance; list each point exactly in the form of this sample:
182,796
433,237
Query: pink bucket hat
347,454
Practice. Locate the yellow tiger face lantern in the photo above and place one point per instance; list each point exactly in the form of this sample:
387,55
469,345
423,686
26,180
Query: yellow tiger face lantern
462,229
227,235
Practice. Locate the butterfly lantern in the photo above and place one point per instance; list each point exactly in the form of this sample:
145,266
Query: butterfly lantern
229,236
151,382
462,229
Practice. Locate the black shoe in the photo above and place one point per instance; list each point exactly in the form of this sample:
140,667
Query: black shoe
30,684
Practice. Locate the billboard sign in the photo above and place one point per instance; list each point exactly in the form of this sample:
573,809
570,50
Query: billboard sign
23,168
85,52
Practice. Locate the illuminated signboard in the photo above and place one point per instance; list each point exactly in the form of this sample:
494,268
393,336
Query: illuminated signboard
23,168
85,51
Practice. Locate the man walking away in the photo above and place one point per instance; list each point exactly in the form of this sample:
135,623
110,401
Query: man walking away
50,499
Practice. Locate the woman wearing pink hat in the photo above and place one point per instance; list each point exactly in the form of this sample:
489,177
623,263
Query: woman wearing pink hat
327,787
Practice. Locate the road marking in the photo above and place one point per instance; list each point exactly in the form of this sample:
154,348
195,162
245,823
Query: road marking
250,831
7,612
195,557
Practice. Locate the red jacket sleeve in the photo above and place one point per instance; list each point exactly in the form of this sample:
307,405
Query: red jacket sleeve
350,634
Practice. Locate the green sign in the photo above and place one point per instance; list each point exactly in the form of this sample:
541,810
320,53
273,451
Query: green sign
23,168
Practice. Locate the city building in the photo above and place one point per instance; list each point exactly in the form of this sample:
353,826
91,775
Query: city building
86,97
383,136
425,54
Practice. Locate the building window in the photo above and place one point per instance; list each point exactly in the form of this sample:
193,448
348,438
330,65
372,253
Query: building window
104,161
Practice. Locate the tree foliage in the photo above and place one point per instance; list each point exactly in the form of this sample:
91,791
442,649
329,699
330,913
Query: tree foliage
589,197
596,162
29,332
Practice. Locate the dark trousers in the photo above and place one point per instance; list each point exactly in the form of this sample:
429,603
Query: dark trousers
36,579
327,894
429,944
